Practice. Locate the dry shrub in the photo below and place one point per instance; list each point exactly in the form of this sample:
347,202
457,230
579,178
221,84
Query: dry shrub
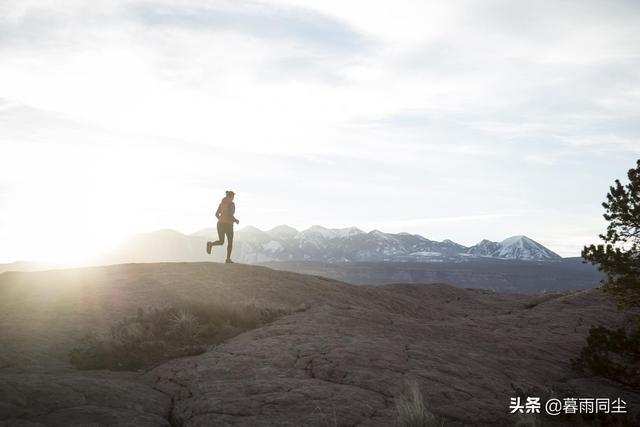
159,334
412,411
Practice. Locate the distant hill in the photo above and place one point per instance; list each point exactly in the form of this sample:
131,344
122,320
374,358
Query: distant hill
320,244
24,266
485,273
516,264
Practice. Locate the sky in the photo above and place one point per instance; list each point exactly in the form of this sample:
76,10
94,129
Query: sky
459,120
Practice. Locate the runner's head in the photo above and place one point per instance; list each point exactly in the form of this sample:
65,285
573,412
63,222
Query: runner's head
230,194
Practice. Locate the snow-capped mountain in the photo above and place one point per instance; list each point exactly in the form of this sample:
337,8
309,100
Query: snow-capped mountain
485,248
515,247
282,232
321,244
522,247
318,243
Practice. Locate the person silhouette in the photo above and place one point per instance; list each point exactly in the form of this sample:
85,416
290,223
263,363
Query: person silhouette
226,218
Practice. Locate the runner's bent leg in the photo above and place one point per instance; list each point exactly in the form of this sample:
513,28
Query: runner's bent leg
220,240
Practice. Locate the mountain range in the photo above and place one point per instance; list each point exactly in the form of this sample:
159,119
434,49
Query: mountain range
321,244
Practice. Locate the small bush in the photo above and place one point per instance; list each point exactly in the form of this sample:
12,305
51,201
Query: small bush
412,411
159,334
612,353
186,324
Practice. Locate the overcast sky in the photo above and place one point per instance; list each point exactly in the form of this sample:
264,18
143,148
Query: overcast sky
460,119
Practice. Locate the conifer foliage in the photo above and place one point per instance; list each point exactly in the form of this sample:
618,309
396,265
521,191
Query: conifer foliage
619,256
615,353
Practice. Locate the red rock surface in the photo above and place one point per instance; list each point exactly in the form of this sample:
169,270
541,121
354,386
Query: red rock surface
341,358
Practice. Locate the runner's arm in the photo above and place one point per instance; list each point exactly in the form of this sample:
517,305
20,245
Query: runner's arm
233,211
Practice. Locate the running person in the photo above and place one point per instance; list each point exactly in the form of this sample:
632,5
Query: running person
225,212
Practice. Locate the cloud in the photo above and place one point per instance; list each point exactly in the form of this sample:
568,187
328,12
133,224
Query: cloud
260,20
409,223
604,143
443,109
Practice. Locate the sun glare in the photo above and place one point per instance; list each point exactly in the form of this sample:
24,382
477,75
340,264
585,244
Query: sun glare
68,210
65,227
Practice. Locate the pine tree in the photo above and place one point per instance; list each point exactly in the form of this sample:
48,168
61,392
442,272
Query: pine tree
615,353
619,256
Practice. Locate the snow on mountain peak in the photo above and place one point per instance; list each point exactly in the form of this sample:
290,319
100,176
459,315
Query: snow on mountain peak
347,232
317,231
515,240
485,248
379,234
318,242
484,242
282,232
522,247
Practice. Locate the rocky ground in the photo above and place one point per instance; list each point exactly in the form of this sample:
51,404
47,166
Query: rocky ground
340,359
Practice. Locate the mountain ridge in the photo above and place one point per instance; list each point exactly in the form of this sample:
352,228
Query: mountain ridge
319,243
404,244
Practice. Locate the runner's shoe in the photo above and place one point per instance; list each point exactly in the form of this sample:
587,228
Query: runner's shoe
229,262
209,244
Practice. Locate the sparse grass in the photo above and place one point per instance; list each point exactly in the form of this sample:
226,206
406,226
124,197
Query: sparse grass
159,334
328,420
185,323
412,411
